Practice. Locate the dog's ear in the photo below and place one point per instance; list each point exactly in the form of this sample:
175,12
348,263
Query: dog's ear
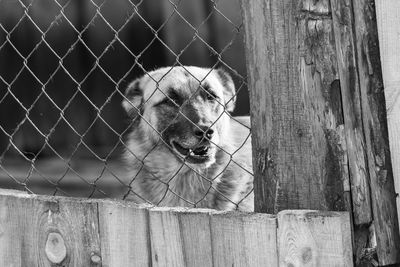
229,89
134,96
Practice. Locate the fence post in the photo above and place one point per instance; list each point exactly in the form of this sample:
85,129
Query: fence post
305,59
383,197
388,19
296,115
367,135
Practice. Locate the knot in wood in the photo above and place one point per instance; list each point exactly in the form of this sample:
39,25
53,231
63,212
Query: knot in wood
299,132
379,160
55,248
306,254
95,258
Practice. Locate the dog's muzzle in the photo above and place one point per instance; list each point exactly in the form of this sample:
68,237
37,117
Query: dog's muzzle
198,154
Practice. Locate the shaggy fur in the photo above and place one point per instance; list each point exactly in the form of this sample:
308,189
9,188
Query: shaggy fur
183,149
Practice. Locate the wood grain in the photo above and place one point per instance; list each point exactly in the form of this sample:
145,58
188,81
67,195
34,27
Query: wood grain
28,223
196,237
124,234
244,239
376,133
165,238
310,238
57,231
342,15
388,19
296,116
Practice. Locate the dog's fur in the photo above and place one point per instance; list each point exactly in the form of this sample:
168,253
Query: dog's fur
184,148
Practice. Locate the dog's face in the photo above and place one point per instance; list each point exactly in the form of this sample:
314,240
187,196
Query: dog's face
186,107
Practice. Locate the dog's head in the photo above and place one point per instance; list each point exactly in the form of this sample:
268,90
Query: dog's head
186,107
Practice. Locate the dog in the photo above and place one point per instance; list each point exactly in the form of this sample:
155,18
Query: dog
184,149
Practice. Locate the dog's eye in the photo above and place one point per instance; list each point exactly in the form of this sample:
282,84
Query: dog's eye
211,96
174,96
173,99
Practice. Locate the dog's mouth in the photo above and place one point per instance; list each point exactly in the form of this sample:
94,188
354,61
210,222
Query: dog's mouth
199,154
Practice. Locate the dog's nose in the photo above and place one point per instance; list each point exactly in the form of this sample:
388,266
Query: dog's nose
204,131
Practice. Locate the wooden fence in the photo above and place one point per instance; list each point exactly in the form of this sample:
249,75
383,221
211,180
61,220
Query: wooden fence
57,231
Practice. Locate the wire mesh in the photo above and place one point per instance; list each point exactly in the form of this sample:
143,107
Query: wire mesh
64,67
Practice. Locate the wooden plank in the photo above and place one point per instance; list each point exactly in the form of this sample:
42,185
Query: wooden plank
58,231
196,237
124,234
312,238
48,231
376,133
295,105
244,239
180,237
342,16
388,19
165,238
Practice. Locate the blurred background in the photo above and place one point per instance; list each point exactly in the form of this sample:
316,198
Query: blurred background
64,66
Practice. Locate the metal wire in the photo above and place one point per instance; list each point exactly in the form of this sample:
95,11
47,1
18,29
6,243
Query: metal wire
126,185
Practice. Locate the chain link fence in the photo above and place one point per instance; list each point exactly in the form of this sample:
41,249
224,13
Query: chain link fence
64,70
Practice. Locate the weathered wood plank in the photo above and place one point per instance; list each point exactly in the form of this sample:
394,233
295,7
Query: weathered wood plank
165,237
196,237
295,105
312,238
47,231
182,237
58,231
244,239
388,19
376,133
342,15
124,234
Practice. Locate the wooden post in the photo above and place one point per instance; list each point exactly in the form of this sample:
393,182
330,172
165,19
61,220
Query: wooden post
296,114
388,19
342,16
307,61
366,126
376,133
352,111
